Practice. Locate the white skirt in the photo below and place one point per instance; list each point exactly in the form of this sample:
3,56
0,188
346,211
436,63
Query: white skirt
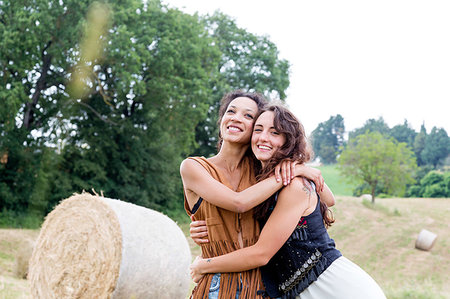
343,279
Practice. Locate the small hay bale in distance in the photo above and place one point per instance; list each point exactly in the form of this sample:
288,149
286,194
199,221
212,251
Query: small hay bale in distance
425,240
366,197
95,247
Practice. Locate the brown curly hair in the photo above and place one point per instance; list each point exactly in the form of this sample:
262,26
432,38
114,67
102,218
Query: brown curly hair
295,148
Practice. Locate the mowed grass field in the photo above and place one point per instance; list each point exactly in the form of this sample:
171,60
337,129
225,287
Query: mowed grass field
380,239
335,181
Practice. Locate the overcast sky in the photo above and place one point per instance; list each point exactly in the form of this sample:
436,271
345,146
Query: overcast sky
361,59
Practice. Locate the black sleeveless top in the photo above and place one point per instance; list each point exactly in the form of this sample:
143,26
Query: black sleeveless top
306,254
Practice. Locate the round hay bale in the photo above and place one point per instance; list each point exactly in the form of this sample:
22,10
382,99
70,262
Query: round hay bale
95,247
425,240
366,197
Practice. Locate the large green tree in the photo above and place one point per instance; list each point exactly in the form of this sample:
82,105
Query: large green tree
154,76
328,138
127,134
375,159
155,82
38,46
38,43
157,67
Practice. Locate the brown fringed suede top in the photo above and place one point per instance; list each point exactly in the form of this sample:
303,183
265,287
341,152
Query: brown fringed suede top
223,234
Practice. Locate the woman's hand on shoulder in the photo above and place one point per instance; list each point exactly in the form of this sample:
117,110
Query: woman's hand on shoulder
312,174
285,171
288,169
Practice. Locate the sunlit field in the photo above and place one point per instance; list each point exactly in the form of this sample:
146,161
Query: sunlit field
379,238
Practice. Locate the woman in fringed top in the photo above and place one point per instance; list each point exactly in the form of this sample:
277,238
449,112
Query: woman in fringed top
297,257
219,191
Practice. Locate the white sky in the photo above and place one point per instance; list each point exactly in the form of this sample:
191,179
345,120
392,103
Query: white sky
361,59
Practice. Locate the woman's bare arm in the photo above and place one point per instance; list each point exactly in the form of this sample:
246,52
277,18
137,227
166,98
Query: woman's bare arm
198,229
198,181
292,203
327,196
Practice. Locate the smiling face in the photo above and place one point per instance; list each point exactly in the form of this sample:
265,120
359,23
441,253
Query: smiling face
237,122
266,140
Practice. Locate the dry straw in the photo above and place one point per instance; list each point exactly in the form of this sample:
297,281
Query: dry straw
96,247
78,251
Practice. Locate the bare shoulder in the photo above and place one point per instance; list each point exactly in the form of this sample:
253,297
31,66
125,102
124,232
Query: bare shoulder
297,184
187,162
295,196
297,188
189,166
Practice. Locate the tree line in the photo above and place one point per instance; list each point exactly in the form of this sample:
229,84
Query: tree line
153,84
152,78
387,161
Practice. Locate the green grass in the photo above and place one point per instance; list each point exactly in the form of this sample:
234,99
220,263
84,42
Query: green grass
11,219
379,238
335,181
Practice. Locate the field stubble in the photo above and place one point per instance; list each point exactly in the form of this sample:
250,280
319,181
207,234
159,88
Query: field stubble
382,239
379,238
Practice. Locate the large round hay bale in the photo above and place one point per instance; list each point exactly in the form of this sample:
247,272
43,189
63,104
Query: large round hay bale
425,240
95,247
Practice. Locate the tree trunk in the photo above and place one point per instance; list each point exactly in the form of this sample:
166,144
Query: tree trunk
373,193
40,85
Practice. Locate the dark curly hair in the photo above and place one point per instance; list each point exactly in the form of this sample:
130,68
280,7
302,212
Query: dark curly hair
295,148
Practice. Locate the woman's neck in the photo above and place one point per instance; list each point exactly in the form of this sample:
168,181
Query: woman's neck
230,155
